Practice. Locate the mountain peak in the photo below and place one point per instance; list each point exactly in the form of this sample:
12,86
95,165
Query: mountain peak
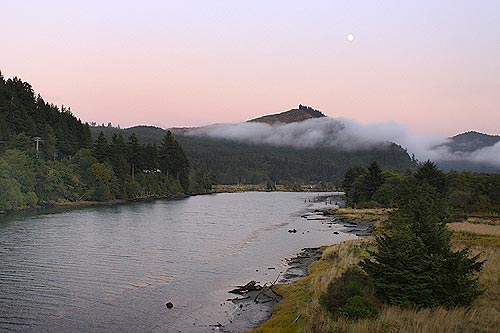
471,141
302,113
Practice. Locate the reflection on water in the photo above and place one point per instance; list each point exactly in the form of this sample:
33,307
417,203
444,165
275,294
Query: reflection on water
109,269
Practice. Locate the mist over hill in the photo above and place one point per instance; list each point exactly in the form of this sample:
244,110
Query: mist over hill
472,151
304,145
303,112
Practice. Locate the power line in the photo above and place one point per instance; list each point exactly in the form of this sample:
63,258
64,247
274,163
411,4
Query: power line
37,139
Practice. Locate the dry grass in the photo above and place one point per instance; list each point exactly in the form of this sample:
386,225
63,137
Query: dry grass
490,219
482,229
369,214
301,299
237,188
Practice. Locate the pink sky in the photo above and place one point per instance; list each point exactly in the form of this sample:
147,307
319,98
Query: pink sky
433,67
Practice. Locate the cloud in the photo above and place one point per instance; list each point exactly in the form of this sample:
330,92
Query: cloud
345,134
489,155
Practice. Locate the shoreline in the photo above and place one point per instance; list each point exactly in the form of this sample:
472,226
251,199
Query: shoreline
86,204
251,315
255,307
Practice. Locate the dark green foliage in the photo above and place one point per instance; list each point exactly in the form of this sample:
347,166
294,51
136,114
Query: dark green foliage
66,167
173,161
101,148
471,192
413,263
351,184
371,181
429,173
463,192
200,182
352,296
135,153
23,113
232,162
362,184
358,307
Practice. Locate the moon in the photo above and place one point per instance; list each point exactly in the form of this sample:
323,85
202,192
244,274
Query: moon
350,37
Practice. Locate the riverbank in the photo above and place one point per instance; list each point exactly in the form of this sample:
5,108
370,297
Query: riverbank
300,309
88,203
254,307
263,188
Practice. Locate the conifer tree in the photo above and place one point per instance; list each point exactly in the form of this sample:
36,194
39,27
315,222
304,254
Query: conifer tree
414,264
134,154
429,173
101,148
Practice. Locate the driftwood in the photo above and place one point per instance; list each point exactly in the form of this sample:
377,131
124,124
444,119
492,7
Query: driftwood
250,286
266,287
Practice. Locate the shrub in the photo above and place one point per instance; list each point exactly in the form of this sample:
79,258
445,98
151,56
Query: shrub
414,264
351,295
358,307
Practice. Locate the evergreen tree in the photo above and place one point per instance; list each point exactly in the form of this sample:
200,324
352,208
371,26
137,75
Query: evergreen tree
151,157
413,263
371,181
134,154
429,173
173,161
351,184
101,148
119,164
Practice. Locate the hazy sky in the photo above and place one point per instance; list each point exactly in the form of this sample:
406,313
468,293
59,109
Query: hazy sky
433,66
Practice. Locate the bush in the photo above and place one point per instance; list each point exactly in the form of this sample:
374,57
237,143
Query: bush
414,263
358,307
351,296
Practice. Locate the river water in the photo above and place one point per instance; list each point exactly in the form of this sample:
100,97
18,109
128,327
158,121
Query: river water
113,268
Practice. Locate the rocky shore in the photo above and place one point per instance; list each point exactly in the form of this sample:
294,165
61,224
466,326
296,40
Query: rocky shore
255,304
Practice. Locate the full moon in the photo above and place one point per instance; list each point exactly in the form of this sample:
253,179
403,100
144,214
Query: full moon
350,37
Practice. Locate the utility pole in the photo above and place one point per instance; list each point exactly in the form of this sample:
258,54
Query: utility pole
37,139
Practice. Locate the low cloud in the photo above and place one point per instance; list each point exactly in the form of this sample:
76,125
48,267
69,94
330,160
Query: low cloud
489,155
345,134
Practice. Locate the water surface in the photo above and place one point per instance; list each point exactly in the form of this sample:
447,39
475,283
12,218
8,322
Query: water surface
110,269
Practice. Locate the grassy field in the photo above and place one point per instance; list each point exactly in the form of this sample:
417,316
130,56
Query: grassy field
301,311
263,188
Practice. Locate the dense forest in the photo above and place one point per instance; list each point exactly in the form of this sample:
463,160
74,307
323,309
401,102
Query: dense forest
463,192
411,262
232,162
48,156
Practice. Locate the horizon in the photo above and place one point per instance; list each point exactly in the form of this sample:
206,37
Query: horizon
432,68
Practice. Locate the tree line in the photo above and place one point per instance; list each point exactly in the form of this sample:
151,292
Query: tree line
69,166
412,262
465,192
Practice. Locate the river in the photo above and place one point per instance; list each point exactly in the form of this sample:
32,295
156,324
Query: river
113,268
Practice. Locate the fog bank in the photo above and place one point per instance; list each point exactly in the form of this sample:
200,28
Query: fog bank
345,134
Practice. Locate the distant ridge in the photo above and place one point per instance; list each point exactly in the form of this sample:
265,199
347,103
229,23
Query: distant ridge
291,116
471,141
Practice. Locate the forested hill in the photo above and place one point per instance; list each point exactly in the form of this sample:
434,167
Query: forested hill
302,113
70,167
231,162
465,143
24,116
471,141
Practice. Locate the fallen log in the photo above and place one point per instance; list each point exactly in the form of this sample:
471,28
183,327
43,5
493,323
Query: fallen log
250,286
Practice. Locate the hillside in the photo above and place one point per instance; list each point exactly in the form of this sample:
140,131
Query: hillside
291,116
233,162
471,141
66,167
465,143
24,116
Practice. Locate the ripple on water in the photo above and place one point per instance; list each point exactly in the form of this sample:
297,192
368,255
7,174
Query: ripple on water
108,269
